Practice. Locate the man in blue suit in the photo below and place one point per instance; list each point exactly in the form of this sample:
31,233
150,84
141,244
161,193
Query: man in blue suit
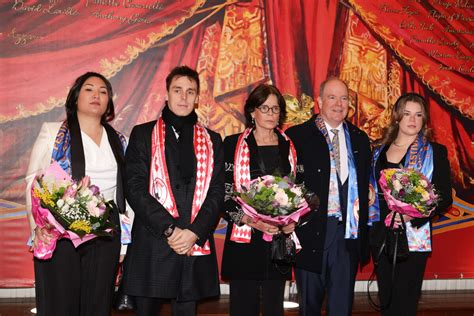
334,162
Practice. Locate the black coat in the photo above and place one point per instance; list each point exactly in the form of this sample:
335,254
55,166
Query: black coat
441,180
314,166
152,268
249,261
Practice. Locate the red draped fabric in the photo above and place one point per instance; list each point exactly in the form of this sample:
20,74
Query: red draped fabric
433,39
287,52
301,42
452,132
234,45
73,44
397,25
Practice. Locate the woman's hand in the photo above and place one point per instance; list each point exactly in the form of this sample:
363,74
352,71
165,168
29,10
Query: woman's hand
406,219
288,229
42,234
182,241
261,226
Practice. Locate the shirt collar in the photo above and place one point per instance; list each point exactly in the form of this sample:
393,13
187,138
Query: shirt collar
329,128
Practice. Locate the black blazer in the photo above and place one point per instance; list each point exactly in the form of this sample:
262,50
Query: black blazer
314,166
442,182
242,261
152,268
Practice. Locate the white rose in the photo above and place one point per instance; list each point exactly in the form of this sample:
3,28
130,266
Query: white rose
397,185
297,191
65,208
60,203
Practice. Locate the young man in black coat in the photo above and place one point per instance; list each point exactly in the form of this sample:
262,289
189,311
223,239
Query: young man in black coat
334,162
175,185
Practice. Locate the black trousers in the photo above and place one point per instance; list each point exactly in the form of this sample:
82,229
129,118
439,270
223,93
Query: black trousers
403,293
77,282
245,297
150,306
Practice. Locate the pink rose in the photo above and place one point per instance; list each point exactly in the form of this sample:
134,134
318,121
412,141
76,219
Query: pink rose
84,183
397,185
93,209
70,192
281,197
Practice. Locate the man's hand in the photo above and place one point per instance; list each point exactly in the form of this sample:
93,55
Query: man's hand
182,241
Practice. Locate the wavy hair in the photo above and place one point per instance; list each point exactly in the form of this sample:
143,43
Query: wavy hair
391,132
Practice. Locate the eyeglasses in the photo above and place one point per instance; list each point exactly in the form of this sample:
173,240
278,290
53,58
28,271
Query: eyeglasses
265,108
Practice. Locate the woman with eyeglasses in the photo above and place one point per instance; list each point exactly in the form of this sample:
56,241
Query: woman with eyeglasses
262,149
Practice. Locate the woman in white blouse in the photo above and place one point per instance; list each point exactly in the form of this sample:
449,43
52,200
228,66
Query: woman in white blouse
80,281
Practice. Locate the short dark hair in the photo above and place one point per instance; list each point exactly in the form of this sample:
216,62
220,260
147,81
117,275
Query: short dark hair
73,95
182,71
258,96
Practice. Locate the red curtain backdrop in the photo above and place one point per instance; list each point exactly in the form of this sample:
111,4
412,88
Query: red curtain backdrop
235,45
434,40
302,37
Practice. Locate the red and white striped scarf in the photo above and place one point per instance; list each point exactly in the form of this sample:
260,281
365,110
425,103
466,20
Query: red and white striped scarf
243,234
160,187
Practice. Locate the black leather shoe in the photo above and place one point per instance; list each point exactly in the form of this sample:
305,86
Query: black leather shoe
124,302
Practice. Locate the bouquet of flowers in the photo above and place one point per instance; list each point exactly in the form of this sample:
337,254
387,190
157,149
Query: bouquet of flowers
407,192
73,210
274,200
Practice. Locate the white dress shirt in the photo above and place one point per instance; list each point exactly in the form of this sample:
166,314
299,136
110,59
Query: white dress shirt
342,150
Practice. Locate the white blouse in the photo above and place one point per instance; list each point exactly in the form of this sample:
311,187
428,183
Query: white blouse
101,166
100,163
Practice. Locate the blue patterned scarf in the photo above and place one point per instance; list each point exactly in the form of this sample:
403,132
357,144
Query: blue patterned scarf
334,208
62,147
62,153
420,158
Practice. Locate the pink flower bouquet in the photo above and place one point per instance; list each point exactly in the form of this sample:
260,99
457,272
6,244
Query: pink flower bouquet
72,210
407,192
274,200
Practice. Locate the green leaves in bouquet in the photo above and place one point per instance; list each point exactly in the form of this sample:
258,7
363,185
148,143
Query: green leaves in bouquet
273,195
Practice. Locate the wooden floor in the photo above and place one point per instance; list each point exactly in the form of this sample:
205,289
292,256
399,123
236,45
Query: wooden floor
432,303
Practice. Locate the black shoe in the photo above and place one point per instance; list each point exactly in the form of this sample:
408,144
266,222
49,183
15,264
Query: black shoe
124,302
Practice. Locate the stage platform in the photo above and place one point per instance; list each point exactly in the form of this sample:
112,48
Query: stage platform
432,303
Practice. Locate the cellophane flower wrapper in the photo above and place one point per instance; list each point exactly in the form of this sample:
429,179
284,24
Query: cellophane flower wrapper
274,200
51,195
407,192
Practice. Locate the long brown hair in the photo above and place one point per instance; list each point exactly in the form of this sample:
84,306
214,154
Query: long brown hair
391,131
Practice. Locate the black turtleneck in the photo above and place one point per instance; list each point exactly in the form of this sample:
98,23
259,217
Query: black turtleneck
184,127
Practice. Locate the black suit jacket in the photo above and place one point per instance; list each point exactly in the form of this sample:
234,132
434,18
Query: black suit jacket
152,268
314,169
442,182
